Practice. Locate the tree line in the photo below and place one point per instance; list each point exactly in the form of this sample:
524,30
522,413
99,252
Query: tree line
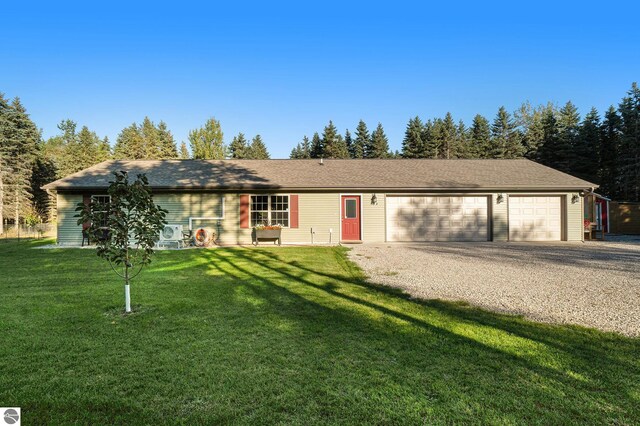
603,150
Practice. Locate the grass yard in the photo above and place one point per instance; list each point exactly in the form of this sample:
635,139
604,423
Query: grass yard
284,335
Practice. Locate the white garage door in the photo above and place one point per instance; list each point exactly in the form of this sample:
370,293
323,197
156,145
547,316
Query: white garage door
441,218
535,218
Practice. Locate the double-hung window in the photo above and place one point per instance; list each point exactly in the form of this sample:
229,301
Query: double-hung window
270,210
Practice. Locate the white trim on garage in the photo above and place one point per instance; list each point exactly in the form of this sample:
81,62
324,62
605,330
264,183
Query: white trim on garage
536,217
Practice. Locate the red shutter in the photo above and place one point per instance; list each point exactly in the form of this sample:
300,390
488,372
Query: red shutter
244,211
86,200
293,211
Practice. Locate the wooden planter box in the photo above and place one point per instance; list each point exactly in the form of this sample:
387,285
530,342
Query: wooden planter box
266,235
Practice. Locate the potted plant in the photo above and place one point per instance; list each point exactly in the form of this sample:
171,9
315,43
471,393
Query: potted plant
267,232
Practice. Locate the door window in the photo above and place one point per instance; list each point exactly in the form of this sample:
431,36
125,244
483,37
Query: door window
350,208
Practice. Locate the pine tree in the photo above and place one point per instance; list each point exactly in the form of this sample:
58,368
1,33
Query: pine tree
348,141
480,138
629,153
547,150
333,143
257,150
151,140
568,126
207,142
379,145
412,144
238,147
184,152
609,148
130,144
431,130
529,121
463,145
361,141
587,147
317,148
302,150
166,142
104,150
506,140
448,148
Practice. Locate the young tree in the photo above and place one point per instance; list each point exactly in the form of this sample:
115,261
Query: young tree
480,138
133,223
361,141
412,144
238,147
207,142
257,150
379,144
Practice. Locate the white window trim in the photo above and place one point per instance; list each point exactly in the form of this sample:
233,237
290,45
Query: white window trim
288,211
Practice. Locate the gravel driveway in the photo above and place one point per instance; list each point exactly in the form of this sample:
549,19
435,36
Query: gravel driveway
595,284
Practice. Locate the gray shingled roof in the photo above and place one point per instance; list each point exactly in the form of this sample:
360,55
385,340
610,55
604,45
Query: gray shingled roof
398,174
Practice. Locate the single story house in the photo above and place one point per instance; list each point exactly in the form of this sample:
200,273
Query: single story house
331,201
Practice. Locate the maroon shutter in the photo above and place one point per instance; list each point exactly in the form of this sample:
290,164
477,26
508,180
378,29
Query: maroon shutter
244,211
293,211
86,200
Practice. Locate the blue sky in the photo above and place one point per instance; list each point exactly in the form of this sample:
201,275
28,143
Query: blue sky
285,69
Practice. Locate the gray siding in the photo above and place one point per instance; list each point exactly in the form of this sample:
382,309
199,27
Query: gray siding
69,232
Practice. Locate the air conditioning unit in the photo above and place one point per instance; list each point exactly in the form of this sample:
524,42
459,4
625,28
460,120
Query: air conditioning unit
171,233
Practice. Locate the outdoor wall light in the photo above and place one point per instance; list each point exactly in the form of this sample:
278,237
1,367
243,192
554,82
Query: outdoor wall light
500,198
574,199
374,200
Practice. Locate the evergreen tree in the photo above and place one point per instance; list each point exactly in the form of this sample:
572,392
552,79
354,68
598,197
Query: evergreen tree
529,121
629,153
348,141
609,148
166,142
480,138
568,127
379,145
463,144
506,140
448,138
431,131
257,149
333,143
184,152
361,141
412,144
546,151
130,144
317,148
302,150
207,142
150,140
587,147
238,147
104,150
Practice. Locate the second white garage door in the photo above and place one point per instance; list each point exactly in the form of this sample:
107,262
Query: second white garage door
437,218
533,218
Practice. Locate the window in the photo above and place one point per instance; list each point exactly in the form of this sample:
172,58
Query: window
101,205
270,210
350,208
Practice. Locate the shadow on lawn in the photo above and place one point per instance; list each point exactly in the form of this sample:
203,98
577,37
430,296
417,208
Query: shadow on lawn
570,359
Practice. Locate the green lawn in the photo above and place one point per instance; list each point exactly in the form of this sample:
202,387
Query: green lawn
284,335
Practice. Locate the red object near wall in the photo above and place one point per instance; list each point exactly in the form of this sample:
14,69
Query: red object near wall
244,211
604,212
86,200
293,211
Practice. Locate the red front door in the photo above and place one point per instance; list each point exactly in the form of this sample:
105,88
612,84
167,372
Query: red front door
350,217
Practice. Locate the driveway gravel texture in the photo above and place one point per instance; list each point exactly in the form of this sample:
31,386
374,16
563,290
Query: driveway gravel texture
594,284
